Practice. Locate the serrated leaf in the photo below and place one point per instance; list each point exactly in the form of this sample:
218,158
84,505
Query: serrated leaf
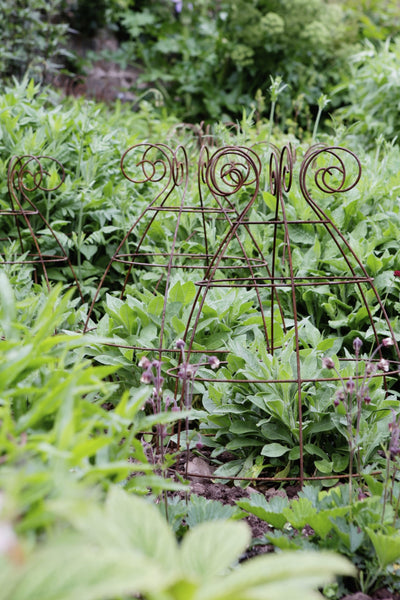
210,548
387,547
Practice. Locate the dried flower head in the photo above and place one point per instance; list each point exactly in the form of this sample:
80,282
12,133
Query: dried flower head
328,363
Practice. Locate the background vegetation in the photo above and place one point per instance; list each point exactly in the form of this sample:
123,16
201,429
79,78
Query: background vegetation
78,420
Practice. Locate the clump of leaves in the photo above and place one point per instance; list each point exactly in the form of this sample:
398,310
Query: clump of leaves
359,529
126,548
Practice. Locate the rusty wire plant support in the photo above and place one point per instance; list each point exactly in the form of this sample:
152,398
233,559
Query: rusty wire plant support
232,181
28,174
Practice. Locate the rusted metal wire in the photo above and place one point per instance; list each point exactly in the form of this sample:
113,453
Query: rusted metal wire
231,183
25,175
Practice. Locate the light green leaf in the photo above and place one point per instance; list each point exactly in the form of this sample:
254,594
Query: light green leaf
210,548
387,547
274,450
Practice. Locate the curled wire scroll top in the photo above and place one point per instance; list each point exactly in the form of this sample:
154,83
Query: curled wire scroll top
281,170
29,173
231,168
334,169
145,162
180,166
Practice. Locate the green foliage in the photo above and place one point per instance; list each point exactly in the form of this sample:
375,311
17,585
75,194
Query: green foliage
376,20
54,402
373,91
126,548
96,204
358,529
31,38
257,420
210,60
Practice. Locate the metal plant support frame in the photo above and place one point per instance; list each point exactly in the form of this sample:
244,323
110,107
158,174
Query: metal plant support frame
224,177
280,182
229,185
26,175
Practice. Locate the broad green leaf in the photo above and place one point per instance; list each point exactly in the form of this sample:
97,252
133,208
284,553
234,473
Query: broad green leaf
73,568
274,450
387,547
210,548
299,513
271,511
276,576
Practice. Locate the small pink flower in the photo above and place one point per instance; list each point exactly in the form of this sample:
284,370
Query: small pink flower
370,368
339,397
387,342
361,495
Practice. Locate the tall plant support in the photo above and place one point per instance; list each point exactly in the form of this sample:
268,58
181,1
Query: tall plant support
247,193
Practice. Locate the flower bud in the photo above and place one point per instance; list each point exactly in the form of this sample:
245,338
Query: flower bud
357,343
328,363
370,368
144,362
387,342
180,344
147,377
214,362
350,386
383,365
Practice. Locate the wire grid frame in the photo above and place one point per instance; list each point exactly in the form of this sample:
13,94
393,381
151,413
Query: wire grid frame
247,193
20,221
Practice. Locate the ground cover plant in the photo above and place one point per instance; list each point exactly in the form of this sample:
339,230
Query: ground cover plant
91,421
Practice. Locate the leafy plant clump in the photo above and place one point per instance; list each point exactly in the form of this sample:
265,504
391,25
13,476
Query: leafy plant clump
364,529
209,60
373,91
33,38
125,548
